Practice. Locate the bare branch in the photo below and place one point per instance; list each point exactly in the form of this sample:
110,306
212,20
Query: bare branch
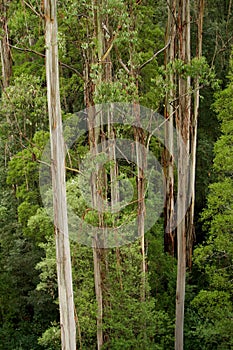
155,55
124,66
33,10
27,50
105,55
71,68
159,126
43,55
66,167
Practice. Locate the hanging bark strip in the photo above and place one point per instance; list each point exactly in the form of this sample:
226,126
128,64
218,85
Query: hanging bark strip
64,272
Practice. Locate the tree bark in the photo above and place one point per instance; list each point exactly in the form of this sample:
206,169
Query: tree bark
6,58
193,138
64,271
141,156
97,251
168,160
183,126
99,188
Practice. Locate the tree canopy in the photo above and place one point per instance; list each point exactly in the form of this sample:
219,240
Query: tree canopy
163,59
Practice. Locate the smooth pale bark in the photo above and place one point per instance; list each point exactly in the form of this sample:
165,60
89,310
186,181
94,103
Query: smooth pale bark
64,271
183,125
5,52
193,136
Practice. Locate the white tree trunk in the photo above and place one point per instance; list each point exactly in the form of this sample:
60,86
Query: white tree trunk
193,132
183,126
64,271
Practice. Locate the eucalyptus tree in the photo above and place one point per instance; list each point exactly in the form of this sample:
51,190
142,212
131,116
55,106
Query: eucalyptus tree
64,270
181,108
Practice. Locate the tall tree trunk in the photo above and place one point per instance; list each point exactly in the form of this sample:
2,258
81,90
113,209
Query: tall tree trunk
6,58
97,248
183,126
168,160
64,271
99,188
141,156
193,138
98,292
140,139
186,125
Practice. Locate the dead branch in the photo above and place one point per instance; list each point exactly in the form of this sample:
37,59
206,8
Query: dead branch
155,55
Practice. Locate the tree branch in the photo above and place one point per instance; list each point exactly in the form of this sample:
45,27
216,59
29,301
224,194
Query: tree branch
43,55
156,54
27,50
33,10
124,66
159,126
66,167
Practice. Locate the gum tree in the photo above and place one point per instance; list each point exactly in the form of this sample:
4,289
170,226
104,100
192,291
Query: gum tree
64,272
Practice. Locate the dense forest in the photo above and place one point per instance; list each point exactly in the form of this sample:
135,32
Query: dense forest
116,228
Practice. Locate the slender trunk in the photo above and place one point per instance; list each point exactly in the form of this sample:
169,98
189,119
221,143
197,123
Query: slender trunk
141,160
97,253
99,293
97,250
183,126
181,257
6,58
100,187
170,109
186,124
193,138
139,137
64,272
141,157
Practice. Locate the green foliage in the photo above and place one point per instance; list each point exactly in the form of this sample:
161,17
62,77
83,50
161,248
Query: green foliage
127,320
50,340
23,114
197,68
23,173
214,310
29,315
162,271
212,305
130,322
